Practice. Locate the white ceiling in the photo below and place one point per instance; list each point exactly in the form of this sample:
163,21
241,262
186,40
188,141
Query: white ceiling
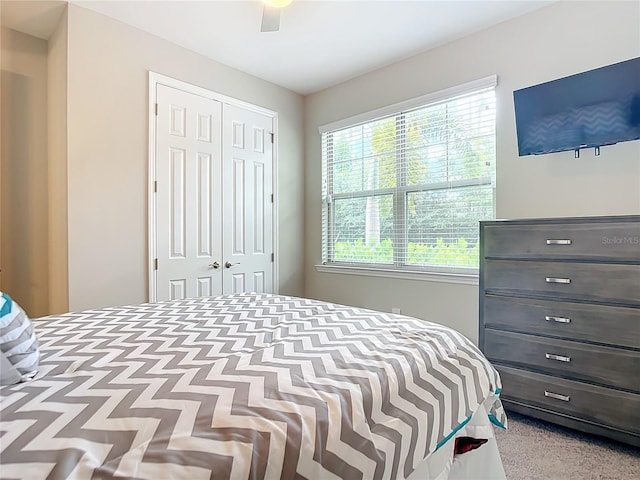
320,43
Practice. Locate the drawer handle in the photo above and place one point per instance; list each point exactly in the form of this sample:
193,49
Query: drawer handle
558,241
549,318
560,358
557,396
557,280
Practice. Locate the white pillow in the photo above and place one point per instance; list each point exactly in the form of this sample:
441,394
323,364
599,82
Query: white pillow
18,342
8,373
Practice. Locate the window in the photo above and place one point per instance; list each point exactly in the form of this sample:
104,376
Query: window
405,190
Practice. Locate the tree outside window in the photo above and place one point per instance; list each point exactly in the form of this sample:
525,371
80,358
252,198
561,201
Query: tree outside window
407,191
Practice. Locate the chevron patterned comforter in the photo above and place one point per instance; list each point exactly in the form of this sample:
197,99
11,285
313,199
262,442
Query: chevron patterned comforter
241,386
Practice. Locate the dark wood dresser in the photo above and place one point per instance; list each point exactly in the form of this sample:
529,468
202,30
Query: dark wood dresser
560,319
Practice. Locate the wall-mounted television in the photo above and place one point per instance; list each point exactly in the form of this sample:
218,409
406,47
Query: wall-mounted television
589,109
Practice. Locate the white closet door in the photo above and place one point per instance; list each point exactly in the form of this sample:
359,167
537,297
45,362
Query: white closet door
248,201
213,197
189,195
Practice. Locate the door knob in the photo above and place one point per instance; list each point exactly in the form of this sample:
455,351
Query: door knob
214,265
229,264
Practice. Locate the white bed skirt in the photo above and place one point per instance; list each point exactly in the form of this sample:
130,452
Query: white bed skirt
479,464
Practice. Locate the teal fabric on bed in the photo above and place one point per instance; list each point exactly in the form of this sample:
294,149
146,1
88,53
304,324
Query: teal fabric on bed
18,342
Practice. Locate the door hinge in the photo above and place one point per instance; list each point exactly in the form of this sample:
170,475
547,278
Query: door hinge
272,257
155,186
155,263
272,198
273,138
156,109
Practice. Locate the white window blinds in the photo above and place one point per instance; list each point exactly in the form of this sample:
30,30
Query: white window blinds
406,190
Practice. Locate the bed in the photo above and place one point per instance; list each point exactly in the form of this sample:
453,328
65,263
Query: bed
251,386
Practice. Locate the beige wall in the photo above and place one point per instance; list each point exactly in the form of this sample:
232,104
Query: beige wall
558,40
108,64
24,189
57,212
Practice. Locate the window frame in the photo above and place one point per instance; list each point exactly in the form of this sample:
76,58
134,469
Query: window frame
399,268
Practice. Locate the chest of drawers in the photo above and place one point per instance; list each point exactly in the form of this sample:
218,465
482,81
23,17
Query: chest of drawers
560,319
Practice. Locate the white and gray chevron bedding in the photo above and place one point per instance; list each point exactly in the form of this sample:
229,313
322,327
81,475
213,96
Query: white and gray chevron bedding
241,386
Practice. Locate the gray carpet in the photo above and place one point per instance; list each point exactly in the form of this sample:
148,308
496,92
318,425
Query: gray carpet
533,449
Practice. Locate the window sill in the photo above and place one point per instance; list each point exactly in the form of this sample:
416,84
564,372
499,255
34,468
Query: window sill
460,278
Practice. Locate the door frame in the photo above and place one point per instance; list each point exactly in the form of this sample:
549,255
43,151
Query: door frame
156,79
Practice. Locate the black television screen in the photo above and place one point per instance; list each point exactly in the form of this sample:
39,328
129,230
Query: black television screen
589,109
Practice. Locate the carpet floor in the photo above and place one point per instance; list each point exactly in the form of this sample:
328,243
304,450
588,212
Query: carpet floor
534,449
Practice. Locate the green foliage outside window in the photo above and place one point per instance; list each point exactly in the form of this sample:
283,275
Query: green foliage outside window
459,254
422,177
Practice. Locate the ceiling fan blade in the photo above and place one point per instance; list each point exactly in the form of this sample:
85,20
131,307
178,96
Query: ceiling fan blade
270,19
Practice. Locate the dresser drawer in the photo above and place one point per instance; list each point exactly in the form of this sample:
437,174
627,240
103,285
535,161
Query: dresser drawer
596,323
566,280
582,361
612,240
589,402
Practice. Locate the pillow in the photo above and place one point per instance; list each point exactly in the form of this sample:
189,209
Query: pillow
18,342
8,373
